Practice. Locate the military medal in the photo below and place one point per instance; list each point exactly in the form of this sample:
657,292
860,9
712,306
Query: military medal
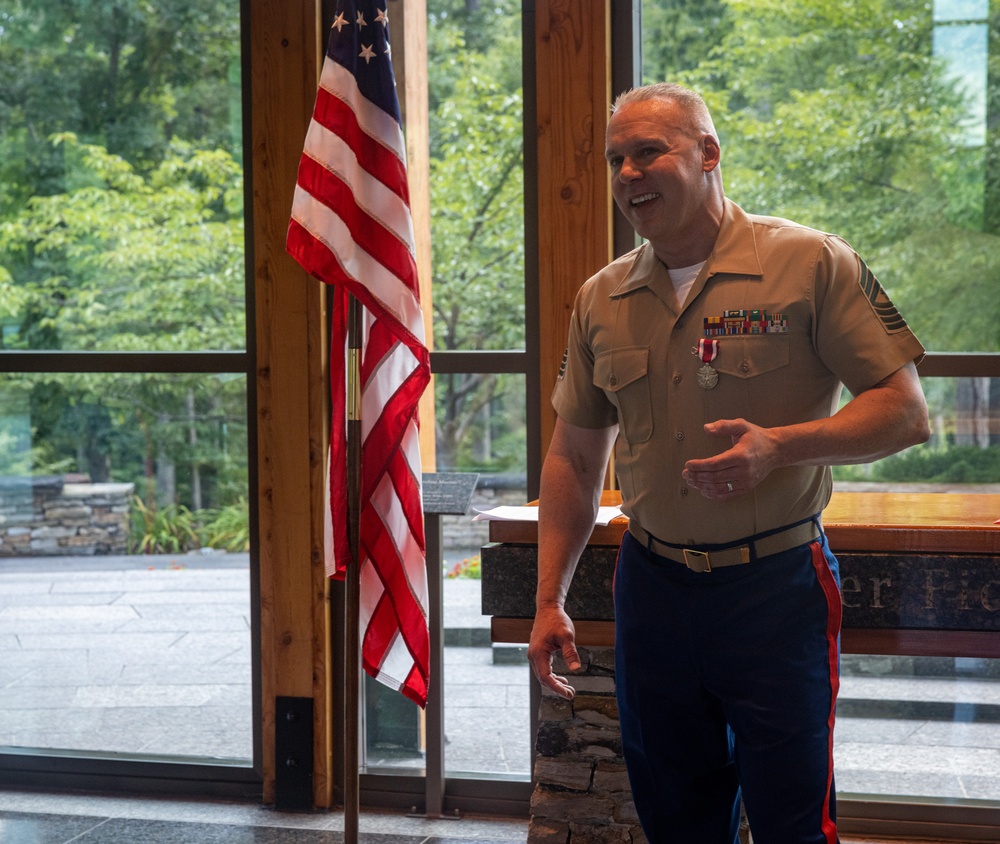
708,350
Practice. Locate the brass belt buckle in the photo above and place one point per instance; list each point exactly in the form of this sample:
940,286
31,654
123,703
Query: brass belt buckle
697,560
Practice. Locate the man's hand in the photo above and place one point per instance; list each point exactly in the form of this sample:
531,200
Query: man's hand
553,632
737,470
877,422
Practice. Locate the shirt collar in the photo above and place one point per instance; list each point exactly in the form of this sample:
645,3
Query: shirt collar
735,251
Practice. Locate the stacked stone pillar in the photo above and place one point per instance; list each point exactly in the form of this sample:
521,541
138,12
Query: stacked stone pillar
582,793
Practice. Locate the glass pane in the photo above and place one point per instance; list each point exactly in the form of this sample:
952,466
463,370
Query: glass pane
487,712
477,191
486,715
879,125
961,10
963,451
872,125
124,565
916,726
121,219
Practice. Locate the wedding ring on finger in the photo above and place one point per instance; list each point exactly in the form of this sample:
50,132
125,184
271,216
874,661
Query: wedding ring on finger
729,485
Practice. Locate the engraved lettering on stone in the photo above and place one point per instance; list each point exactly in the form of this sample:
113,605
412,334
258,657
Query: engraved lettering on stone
930,588
850,584
877,584
991,596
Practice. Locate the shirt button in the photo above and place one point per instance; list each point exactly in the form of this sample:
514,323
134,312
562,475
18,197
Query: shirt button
613,380
677,378
744,367
679,435
684,491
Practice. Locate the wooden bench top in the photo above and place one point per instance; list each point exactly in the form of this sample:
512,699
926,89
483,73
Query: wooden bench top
959,523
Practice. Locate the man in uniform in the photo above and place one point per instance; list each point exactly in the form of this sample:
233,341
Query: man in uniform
713,359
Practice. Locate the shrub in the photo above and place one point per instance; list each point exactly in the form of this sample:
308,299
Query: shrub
228,528
162,530
468,568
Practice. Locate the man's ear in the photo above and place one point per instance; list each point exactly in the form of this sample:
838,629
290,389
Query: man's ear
711,152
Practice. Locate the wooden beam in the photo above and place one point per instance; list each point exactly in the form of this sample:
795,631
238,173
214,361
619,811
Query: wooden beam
408,35
573,93
291,340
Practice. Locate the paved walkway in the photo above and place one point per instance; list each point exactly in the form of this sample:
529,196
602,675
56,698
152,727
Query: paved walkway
152,656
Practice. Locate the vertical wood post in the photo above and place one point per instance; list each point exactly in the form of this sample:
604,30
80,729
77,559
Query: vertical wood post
408,35
573,93
292,415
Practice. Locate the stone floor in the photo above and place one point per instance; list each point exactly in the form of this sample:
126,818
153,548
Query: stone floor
152,656
38,818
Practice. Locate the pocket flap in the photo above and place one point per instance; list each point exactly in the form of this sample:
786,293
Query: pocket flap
617,368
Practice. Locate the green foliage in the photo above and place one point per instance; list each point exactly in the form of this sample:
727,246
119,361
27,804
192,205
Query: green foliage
477,204
172,529
228,527
125,262
952,465
678,35
121,229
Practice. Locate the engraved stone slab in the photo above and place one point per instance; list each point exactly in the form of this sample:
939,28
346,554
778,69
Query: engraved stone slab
891,591
448,493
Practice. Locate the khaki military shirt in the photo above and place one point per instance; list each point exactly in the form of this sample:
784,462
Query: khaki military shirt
823,322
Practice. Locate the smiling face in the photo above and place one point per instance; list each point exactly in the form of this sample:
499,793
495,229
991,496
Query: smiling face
665,177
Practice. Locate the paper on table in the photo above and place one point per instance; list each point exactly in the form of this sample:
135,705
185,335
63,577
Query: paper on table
530,514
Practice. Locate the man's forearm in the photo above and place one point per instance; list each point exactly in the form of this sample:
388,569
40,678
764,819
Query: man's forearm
571,484
881,421
565,521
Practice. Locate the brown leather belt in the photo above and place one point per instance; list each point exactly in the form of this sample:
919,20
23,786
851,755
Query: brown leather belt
707,557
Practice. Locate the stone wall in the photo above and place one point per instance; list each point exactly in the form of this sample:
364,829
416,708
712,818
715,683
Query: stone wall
582,794
48,516
465,536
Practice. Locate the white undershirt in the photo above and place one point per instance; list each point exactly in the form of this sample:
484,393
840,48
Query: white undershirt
683,279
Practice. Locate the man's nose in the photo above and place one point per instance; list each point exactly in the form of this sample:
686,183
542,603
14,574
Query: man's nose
628,172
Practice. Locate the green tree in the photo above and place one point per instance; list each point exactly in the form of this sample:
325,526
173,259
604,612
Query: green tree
121,230
838,114
127,74
129,263
477,220
126,262
678,35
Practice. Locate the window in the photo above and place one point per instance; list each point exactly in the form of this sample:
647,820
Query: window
479,364
124,448
875,120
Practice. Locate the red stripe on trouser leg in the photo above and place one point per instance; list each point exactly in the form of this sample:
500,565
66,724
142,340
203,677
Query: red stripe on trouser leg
834,617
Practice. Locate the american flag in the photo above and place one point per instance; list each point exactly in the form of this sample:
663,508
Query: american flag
351,228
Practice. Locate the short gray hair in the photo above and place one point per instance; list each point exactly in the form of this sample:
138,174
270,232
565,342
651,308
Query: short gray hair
691,101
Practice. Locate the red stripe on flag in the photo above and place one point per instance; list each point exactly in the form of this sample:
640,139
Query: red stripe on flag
382,553
415,686
408,493
366,231
334,114
397,413
338,207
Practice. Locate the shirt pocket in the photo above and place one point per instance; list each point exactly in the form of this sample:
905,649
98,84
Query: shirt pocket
752,356
623,375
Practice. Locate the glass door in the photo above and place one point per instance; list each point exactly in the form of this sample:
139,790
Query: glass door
125,542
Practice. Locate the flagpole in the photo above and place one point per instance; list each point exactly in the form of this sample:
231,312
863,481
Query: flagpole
352,593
